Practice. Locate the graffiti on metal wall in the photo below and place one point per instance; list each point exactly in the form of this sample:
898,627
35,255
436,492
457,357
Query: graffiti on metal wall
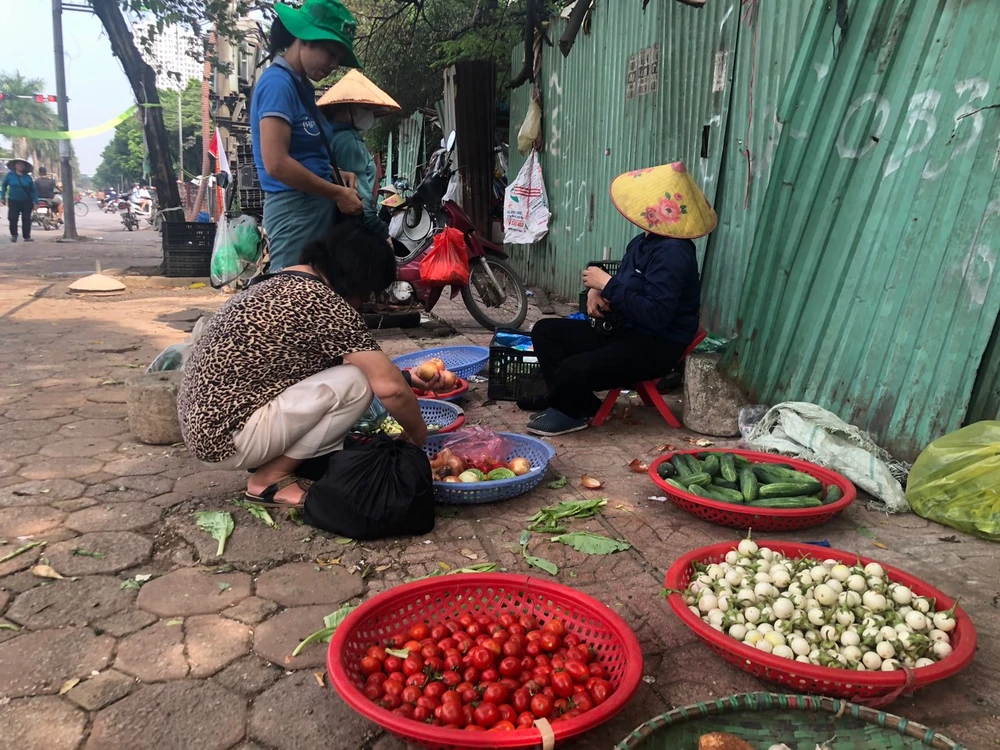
922,118
643,75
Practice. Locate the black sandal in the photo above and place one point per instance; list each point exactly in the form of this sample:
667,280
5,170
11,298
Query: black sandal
266,498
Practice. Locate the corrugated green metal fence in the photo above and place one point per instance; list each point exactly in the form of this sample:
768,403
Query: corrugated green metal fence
871,284
599,123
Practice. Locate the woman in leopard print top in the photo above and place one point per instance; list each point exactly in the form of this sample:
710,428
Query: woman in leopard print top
286,368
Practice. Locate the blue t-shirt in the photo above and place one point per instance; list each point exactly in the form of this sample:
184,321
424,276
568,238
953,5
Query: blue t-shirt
275,95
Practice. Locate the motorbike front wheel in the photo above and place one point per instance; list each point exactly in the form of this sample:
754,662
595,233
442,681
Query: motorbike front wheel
503,304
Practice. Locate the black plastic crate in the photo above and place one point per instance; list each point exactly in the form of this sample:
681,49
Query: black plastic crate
513,373
188,235
610,266
183,263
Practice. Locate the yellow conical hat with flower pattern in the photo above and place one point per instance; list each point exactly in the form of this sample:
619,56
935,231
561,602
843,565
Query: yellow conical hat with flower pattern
664,200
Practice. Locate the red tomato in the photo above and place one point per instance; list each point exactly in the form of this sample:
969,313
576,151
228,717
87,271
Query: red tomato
417,680
554,626
550,641
600,691
376,679
431,652
513,647
452,662
412,645
517,629
505,620
447,644
420,713
439,631
544,679
493,647
486,715
525,720
501,636
596,670
503,726
474,629
533,635
470,695
452,714
561,706
543,660
571,714
583,701
474,728
489,675
528,663
391,701
429,703
480,658
453,626
466,620
399,640
510,683
484,619
507,712
398,677
533,647
532,686
528,622
495,693
410,694
419,631
557,662
377,652
571,640
370,665
412,665
451,678
404,710
471,674
435,689
434,664
541,706
578,671
451,696
521,700
393,687
393,664
374,692
562,684
464,686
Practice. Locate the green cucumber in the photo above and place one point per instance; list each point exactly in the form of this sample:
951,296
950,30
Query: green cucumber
749,485
727,468
790,489
720,482
702,479
720,494
787,502
692,463
666,470
677,485
833,494
681,466
711,465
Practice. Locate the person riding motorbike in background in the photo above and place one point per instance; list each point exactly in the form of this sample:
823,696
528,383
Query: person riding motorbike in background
351,106
18,191
290,143
47,191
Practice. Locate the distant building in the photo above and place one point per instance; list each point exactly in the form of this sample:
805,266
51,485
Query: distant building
170,59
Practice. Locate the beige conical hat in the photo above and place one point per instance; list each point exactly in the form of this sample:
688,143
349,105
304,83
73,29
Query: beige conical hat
355,88
664,200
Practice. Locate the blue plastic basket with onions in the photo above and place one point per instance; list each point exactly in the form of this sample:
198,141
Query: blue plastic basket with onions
464,361
538,452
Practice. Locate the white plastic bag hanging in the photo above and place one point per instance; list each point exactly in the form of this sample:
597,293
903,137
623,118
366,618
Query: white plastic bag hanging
526,205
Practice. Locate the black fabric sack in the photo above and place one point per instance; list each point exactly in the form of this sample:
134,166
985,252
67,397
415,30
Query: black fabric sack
373,488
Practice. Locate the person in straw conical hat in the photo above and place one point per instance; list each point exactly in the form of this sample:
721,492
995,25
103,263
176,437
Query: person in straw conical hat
643,318
351,105
19,194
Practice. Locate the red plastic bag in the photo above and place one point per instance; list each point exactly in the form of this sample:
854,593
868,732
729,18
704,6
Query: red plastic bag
478,444
447,262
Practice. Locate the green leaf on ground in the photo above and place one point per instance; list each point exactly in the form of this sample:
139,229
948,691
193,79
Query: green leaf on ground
257,512
20,551
449,571
88,553
330,624
591,544
525,536
540,562
345,541
558,483
218,523
546,520
224,587
865,531
9,626
130,583
295,516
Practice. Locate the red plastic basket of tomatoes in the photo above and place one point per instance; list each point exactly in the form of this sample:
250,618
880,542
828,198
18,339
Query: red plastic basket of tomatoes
870,688
738,516
477,605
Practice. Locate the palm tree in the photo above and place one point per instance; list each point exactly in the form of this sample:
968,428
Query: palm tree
27,113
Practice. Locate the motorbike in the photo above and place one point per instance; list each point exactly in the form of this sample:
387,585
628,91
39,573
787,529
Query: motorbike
495,295
109,204
129,219
45,215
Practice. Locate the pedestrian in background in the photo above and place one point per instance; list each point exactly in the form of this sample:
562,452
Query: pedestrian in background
19,193
290,143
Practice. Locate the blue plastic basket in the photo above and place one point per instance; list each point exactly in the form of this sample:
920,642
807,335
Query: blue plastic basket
458,493
464,361
444,414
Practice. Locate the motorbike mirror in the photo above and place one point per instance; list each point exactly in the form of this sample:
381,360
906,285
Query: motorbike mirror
451,140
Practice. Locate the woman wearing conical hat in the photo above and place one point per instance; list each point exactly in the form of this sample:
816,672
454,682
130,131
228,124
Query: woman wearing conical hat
643,318
351,105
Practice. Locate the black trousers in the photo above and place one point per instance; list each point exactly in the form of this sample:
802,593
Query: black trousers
22,209
577,360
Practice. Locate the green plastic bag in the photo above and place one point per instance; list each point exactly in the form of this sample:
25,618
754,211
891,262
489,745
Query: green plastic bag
956,480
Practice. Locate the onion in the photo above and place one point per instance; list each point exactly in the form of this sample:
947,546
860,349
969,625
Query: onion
468,476
455,465
451,480
425,371
519,466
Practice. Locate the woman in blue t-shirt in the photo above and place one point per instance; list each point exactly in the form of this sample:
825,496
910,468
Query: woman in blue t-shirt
289,136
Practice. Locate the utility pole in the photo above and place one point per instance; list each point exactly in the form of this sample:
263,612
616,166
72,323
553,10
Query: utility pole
180,122
68,193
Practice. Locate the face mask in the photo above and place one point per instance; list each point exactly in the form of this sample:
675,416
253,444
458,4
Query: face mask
363,119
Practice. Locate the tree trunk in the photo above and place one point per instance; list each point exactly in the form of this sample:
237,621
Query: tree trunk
143,81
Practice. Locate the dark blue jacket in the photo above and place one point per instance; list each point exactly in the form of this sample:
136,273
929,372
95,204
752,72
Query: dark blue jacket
657,288
17,187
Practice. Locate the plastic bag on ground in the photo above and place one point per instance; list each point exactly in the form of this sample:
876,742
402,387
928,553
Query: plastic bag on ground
478,444
373,488
749,417
447,262
956,480
175,356
526,205
817,435
713,343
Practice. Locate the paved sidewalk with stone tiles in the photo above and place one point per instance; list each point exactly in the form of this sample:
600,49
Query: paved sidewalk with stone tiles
198,655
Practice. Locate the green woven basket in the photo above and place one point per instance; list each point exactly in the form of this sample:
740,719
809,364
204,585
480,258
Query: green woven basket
800,721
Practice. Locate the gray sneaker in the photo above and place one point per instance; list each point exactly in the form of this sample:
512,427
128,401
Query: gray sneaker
29,239
553,422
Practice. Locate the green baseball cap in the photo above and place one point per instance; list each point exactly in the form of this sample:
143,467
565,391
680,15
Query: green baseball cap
322,20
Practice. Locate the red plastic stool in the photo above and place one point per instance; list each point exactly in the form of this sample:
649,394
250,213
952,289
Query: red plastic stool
647,392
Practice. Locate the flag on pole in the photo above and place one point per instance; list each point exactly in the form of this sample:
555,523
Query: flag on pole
218,152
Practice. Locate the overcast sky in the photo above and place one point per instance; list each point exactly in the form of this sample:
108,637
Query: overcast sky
97,87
